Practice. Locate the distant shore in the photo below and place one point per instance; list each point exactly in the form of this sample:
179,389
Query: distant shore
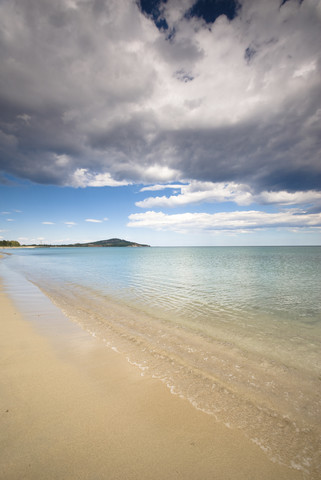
111,242
21,246
72,408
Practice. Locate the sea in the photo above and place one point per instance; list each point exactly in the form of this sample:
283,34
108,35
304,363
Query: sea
234,330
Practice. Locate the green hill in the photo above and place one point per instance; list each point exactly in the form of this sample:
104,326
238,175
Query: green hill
112,242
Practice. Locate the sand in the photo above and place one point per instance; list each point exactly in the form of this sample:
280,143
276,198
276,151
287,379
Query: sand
71,408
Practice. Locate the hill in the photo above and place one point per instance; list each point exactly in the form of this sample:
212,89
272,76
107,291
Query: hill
112,242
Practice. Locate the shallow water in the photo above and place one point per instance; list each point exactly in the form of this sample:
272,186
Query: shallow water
234,330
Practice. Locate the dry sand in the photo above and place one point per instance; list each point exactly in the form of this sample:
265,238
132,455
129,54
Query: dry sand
73,409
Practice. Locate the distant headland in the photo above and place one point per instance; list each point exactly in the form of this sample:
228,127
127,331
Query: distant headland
112,242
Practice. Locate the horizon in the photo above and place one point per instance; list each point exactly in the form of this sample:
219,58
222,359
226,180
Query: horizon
184,123
89,245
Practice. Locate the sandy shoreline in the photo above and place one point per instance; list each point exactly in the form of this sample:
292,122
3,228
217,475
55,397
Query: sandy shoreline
73,409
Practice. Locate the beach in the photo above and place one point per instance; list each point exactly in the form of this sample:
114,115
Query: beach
73,408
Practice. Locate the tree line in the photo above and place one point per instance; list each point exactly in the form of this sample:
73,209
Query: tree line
9,243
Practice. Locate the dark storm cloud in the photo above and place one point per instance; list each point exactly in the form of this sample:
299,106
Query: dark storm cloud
281,154
126,91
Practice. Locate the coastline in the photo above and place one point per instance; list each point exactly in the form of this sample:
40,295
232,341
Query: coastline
72,408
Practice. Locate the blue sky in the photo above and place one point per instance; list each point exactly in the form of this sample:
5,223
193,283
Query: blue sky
185,122
50,214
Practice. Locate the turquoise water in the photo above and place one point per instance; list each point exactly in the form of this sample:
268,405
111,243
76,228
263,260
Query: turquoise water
235,330
281,281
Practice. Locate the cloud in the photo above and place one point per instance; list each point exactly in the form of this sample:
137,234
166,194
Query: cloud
103,94
154,188
200,192
47,223
290,198
238,221
70,224
93,220
83,178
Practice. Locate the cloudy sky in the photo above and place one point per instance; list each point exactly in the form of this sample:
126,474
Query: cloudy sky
178,122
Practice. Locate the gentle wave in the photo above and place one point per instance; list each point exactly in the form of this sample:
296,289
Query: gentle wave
275,404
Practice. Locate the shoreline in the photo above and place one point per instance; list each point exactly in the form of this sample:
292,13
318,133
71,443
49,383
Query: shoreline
73,408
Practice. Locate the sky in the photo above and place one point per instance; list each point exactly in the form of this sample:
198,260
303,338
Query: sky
178,122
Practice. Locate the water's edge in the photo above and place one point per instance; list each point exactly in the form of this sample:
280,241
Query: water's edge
253,383
242,389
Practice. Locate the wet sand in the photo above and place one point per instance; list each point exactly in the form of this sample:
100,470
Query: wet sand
71,408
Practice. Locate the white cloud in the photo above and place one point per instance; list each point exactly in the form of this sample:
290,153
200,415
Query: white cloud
162,173
83,178
93,220
155,188
13,211
200,192
290,198
70,224
238,220
10,220
48,223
